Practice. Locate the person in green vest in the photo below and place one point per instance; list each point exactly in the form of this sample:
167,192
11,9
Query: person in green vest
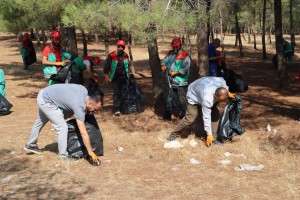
54,56
117,71
82,63
27,51
288,52
176,68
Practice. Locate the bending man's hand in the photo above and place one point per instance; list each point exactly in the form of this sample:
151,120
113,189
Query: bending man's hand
95,159
209,140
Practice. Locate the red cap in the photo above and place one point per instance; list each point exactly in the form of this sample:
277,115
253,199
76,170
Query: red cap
97,60
176,42
121,43
55,34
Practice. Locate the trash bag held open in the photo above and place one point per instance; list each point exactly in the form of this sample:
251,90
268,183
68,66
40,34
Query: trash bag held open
76,146
63,73
229,124
5,106
132,99
234,81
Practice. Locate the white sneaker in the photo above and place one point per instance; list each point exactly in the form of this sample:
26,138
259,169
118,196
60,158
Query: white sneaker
117,113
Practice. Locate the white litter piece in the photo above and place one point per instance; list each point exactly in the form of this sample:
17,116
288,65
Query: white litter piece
248,167
227,154
194,161
120,149
269,128
193,143
173,145
175,168
106,161
160,139
7,179
13,153
225,162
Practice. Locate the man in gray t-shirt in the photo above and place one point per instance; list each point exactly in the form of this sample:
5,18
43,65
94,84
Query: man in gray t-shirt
203,92
58,102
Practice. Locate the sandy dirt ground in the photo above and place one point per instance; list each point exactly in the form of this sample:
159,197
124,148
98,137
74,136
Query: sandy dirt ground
145,170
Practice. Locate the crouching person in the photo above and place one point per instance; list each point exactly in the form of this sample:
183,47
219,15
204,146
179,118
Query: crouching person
204,92
58,102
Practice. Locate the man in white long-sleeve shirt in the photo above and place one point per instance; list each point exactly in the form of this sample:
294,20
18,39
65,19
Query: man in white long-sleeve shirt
204,92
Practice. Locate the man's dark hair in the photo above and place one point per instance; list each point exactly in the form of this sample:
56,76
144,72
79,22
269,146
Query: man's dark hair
97,97
221,91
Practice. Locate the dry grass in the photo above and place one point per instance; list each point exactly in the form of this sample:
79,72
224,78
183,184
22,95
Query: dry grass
145,170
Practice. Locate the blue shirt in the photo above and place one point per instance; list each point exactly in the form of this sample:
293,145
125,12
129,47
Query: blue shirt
212,52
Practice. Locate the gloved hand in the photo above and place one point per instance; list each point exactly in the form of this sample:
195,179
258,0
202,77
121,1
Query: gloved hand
95,159
163,68
173,73
231,95
106,79
209,140
60,63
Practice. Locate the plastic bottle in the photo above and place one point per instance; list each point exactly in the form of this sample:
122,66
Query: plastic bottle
2,83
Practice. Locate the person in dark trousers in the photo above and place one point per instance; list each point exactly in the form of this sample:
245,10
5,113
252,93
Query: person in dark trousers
27,51
176,66
57,103
213,57
82,63
205,92
117,71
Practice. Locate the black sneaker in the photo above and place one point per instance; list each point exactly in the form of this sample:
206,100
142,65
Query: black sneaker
67,158
172,137
32,149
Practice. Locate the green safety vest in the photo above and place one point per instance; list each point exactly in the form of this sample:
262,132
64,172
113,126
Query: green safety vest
114,63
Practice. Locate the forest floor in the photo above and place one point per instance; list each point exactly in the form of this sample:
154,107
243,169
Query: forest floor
145,170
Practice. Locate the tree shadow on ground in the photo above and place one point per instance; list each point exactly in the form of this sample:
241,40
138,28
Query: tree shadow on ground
30,180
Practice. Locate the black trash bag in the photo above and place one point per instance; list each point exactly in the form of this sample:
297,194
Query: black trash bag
171,100
63,73
5,106
132,98
234,81
30,56
76,146
93,88
229,124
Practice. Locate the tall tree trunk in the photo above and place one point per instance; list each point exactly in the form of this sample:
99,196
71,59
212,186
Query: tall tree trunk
260,16
221,26
248,32
282,70
238,30
263,34
84,42
97,38
154,62
44,38
202,45
270,35
120,34
254,24
38,41
293,42
68,40
131,65
32,36
208,3
106,42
